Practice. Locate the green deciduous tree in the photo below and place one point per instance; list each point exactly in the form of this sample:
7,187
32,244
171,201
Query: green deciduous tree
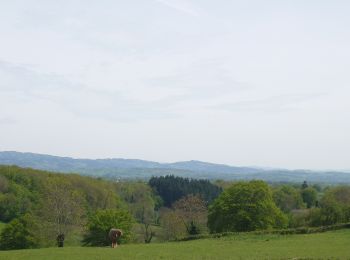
141,203
100,223
334,207
172,224
16,201
63,207
287,198
20,233
245,206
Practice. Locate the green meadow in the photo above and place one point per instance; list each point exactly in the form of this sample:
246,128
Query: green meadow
328,245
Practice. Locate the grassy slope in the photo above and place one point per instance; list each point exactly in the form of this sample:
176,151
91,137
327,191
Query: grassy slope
335,244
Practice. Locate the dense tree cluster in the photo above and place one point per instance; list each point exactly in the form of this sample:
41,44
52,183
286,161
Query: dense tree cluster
245,206
288,198
59,202
20,233
334,207
171,188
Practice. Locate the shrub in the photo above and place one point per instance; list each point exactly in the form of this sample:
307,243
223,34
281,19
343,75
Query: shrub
100,223
20,234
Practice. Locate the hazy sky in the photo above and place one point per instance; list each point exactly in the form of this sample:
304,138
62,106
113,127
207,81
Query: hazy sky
239,82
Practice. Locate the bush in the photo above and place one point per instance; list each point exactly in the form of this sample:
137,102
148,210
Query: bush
100,223
291,231
300,217
20,234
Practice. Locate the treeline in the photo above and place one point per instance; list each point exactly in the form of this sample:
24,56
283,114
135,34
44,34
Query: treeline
314,205
43,209
62,204
48,209
28,190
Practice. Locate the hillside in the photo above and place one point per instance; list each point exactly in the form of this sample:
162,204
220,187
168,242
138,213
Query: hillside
132,168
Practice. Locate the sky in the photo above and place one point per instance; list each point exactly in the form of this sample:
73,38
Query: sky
246,83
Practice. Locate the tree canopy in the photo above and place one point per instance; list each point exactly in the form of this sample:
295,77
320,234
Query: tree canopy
287,198
245,206
193,213
334,207
20,234
309,196
100,223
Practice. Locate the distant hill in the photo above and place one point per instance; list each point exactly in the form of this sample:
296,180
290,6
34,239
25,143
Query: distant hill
140,169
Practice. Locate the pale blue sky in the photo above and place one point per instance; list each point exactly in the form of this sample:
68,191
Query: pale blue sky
239,82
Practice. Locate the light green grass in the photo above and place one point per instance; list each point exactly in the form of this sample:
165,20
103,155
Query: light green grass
329,245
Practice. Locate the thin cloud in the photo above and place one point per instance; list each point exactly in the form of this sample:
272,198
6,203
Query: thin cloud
270,104
7,121
204,79
181,6
19,77
22,82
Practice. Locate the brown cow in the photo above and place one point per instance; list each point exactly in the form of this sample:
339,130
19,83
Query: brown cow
113,235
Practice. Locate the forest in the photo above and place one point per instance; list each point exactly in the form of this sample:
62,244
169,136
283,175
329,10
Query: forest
41,209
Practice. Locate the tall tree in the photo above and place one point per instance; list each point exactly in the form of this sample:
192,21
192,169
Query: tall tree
287,198
309,196
192,211
141,203
63,207
172,224
304,185
245,206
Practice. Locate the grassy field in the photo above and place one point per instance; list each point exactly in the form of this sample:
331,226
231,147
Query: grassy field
329,245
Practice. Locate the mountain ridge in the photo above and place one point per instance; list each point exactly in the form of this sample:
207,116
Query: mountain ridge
120,168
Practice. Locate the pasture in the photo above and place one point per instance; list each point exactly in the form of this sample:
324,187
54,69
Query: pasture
332,244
